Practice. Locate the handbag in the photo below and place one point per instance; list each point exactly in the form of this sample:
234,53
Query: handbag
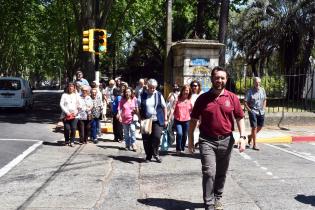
69,117
146,126
165,144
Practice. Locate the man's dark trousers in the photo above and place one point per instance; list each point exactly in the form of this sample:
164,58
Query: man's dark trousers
215,158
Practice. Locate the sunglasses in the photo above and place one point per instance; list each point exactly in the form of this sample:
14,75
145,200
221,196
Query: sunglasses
195,85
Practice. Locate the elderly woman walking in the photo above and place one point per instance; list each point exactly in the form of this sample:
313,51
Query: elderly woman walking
85,115
152,105
69,103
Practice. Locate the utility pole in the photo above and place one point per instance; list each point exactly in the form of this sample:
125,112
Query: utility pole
97,57
167,69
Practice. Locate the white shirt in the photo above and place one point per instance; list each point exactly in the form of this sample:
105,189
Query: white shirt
150,103
69,103
194,97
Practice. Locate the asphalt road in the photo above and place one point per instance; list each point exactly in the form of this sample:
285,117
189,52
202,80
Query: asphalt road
20,129
105,176
280,176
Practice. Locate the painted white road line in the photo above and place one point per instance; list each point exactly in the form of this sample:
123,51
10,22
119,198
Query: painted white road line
19,140
19,158
245,156
293,153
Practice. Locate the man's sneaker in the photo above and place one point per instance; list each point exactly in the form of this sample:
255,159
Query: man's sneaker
218,205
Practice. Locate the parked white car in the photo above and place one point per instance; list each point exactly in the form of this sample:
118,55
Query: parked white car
15,92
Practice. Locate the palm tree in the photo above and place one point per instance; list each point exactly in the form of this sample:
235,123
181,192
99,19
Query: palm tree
285,27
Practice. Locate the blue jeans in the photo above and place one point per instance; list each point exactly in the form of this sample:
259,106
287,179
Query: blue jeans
181,134
129,133
94,128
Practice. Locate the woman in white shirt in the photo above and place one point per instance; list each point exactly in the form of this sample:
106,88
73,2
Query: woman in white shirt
196,90
69,104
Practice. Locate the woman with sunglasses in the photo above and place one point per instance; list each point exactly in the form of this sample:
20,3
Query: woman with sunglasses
196,90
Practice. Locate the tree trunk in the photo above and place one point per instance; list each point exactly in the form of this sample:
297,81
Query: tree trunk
168,71
223,25
199,28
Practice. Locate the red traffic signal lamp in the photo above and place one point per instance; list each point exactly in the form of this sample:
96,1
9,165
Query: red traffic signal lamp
100,40
88,40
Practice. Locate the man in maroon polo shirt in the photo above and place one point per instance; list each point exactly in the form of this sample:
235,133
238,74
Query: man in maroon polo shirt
217,109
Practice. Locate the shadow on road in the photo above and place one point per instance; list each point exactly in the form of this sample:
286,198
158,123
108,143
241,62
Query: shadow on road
196,155
310,199
58,143
46,110
127,159
111,147
171,204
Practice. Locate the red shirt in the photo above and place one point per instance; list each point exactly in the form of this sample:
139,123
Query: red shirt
217,113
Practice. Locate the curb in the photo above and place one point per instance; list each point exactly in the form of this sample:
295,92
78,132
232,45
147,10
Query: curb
280,139
303,138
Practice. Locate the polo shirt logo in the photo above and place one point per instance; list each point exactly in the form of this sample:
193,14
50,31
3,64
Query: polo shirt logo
227,103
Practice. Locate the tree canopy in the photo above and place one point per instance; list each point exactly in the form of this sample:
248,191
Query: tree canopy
40,38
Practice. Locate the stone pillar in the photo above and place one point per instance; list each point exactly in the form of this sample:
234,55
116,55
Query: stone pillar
193,59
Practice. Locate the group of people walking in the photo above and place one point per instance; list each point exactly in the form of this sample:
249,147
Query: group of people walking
82,108
186,109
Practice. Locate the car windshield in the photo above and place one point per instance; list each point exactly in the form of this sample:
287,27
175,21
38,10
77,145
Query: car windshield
10,84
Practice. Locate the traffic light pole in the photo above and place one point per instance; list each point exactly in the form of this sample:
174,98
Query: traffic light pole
97,57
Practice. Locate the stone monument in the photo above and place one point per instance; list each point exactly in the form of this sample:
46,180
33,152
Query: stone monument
193,59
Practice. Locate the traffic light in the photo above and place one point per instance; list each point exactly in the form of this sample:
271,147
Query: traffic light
100,40
88,40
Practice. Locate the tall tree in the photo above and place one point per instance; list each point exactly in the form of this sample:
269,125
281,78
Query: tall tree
223,25
285,27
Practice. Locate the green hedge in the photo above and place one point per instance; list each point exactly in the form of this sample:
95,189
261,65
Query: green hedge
274,85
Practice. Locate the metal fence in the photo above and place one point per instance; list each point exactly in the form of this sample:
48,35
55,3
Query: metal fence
289,93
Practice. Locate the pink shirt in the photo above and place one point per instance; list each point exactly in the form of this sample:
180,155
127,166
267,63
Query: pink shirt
126,108
182,110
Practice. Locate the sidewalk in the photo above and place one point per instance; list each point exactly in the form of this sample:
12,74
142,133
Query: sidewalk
286,134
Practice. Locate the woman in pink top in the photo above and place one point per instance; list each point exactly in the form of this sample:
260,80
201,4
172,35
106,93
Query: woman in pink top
128,106
182,110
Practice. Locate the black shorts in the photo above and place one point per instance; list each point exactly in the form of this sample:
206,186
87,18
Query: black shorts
256,120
